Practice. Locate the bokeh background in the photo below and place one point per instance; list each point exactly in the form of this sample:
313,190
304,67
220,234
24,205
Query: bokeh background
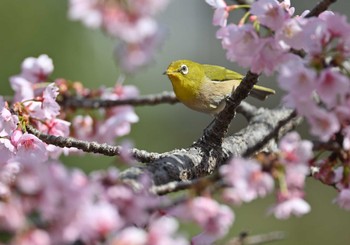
34,27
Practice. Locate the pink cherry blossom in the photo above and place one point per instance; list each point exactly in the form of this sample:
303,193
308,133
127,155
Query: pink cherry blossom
15,136
7,150
221,13
12,215
119,124
132,56
99,220
324,124
86,11
346,141
126,154
130,31
339,28
316,35
295,151
49,100
162,231
331,86
47,107
119,119
120,91
9,172
130,236
291,33
295,77
83,127
132,22
271,13
57,127
246,181
37,70
271,54
242,43
293,206
24,90
31,150
34,236
343,199
215,219
134,206
8,122
150,7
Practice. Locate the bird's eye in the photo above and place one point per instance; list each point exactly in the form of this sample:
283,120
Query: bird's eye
184,69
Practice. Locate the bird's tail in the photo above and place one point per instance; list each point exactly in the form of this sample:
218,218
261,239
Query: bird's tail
261,92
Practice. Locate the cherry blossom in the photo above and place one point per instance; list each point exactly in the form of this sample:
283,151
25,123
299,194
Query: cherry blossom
37,70
343,199
221,13
324,124
294,150
131,21
246,181
7,150
8,122
242,43
271,13
30,149
130,235
215,219
296,206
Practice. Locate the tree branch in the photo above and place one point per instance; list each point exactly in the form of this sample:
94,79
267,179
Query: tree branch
320,7
194,162
153,99
92,147
244,239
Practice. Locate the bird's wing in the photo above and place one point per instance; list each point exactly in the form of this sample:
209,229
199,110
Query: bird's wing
219,73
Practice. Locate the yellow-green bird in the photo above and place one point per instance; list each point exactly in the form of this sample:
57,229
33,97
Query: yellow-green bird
204,88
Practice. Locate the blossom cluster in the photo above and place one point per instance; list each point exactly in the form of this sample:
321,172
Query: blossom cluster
310,56
42,201
248,179
132,22
50,204
108,123
317,84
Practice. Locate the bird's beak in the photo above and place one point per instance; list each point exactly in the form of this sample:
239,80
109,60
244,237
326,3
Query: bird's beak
169,72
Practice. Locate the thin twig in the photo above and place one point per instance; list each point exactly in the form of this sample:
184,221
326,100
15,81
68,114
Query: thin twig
273,134
152,99
329,146
320,7
200,183
92,147
244,239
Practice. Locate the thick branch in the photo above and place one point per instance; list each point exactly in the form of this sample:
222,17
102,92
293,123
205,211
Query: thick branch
153,99
214,134
193,162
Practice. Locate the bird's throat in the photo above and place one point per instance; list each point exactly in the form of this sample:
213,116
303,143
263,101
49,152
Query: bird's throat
185,91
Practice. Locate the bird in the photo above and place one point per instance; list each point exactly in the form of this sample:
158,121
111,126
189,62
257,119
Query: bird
204,88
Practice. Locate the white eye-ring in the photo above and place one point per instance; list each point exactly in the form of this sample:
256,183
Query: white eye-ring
183,69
